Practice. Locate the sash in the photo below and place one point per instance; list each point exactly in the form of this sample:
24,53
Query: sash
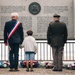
13,30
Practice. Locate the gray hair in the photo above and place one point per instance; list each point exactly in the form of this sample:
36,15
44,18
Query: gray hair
14,14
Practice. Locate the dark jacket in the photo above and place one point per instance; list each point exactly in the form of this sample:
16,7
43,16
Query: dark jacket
57,34
17,37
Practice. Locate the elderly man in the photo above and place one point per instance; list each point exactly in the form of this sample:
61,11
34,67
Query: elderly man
57,37
13,36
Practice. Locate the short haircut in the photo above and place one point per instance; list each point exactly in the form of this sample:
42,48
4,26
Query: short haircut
14,14
29,32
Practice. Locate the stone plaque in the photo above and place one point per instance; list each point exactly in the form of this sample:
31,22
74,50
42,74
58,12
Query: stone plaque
37,14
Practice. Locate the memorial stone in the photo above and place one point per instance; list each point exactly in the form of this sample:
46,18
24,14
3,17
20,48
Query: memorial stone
37,14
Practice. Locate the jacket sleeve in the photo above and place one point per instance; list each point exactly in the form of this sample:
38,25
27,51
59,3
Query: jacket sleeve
5,33
22,45
65,34
21,33
49,34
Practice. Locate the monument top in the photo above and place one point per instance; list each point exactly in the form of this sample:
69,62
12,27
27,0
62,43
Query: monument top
36,15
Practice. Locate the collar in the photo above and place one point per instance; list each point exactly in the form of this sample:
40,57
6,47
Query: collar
14,20
57,21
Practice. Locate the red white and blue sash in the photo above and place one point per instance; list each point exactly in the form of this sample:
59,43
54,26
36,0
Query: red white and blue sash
13,30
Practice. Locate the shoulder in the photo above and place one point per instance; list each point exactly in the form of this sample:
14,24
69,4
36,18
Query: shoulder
51,23
20,22
29,37
32,37
63,23
26,38
8,22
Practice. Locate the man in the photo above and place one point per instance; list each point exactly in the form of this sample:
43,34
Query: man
57,37
13,36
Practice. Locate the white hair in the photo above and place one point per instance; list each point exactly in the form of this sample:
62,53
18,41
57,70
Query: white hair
14,14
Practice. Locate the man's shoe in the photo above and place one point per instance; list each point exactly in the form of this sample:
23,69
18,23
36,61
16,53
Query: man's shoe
27,70
55,70
59,70
11,70
16,70
31,70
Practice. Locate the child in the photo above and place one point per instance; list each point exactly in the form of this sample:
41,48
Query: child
30,48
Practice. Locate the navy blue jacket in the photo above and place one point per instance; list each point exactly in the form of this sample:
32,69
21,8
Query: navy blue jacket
18,35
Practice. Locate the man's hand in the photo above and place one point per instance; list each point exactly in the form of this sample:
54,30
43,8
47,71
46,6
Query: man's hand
6,44
50,44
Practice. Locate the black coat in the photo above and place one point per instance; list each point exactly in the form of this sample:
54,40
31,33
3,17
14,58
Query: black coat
18,35
57,34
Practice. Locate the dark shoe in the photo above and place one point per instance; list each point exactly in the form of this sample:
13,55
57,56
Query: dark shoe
59,70
31,70
11,70
27,70
55,70
16,70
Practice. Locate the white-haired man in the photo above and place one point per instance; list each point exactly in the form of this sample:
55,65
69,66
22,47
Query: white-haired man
13,36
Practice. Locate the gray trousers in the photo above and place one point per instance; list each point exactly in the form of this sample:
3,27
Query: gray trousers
57,57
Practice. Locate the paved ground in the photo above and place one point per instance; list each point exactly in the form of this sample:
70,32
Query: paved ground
37,71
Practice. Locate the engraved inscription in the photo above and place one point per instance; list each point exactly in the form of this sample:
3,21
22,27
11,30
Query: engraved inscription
3,20
42,24
9,9
55,9
27,22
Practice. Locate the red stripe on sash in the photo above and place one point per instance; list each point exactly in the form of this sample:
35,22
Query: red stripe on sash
12,31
